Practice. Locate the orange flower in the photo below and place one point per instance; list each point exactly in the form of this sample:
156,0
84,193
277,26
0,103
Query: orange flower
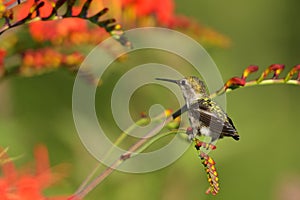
17,186
133,13
276,68
42,31
55,31
2,8
47,59
42,58
161,12
162,9
234,82
73,59
296,69
58,31
23,10
168,112
250,69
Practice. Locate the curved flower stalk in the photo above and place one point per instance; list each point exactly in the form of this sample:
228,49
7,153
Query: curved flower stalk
147,140
292,77
212,174
35,14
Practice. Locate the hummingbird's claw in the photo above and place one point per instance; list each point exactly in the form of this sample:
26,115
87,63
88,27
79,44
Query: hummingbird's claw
208,146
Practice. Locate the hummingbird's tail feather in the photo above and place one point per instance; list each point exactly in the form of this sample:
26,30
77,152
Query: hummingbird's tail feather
233,135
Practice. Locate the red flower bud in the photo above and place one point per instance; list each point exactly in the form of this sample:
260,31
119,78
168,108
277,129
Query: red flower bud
234,82
277,68
297,69
250,69
292,72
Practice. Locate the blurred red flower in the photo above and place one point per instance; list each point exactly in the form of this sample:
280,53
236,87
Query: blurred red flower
162,9
55,31
2,7
47,59
235,82
250,69
27,186
161,13
132,14
72,32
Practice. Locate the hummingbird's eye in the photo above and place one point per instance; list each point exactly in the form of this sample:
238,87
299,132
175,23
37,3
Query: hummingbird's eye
183,82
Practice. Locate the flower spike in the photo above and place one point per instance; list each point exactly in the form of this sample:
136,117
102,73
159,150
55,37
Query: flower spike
209,166
237,82
212,174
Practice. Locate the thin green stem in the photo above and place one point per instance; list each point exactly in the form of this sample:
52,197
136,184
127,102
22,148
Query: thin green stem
119,161
85,187
120,139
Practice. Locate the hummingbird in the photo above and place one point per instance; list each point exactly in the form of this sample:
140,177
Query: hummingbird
206,117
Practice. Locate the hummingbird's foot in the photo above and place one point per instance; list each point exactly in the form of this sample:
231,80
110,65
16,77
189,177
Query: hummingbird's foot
208,146
190,134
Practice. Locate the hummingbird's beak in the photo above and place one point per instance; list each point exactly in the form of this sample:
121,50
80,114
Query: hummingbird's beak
168,80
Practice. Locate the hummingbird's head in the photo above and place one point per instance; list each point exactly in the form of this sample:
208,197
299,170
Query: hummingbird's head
192,88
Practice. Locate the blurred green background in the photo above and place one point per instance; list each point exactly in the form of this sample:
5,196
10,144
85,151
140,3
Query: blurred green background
264,164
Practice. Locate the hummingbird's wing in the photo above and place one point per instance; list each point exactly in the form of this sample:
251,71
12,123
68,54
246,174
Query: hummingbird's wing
213,117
